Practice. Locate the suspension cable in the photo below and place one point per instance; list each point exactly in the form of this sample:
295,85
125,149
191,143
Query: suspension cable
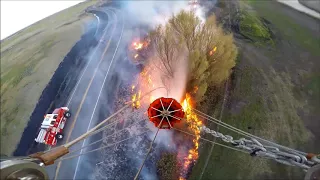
103,147
255,148
91,131
118,132
239,131
150,148
213,142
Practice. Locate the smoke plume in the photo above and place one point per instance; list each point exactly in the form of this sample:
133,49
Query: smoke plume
149,14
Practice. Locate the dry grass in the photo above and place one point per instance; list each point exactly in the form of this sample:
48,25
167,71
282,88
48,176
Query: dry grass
28,60
263,100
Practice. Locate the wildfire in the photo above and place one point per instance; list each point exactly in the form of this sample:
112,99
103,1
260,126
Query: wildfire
144,79
137,45
138,49
194,124
145,84
212,51
135,98
195,89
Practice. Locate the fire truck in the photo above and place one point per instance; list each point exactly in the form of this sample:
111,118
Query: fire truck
52,126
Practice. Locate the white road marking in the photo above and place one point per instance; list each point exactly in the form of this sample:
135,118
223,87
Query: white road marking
83,70
58,167
98,24
94,109
94,52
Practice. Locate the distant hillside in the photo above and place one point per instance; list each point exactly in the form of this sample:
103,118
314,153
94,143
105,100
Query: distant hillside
28,60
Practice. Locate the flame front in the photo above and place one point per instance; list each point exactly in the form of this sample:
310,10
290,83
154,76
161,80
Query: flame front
194,125
213,51
137,45
144,79
135,97
145,84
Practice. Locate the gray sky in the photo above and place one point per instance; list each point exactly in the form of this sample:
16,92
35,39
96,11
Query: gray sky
16,15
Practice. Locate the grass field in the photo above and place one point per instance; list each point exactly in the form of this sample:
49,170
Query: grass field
272,96
252,27
28,60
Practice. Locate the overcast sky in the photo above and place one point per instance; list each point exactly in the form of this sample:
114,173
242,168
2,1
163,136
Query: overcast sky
16,15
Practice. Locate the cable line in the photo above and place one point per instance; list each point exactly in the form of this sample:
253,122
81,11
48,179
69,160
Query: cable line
239,131
103,147
118,132
255,148
92,131
150,148
229,147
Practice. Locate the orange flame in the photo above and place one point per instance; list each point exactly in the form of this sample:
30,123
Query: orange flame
195,89
194,124
137,45
136,99
145,84
138,104
133,99
145,80
212,51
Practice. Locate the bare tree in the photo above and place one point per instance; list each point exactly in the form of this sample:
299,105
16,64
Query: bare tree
166,47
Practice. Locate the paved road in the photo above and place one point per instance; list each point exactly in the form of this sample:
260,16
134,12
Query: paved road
312,4
295,4
84,100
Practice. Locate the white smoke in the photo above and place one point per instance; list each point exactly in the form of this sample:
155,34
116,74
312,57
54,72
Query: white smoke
152,13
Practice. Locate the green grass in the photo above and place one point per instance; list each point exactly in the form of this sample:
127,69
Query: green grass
264,96
252,27
49,22
13,76
263,101
251,115
28,60
287,26
314,88
245,85
10,80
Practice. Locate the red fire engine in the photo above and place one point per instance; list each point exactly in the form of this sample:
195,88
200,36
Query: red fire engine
52,126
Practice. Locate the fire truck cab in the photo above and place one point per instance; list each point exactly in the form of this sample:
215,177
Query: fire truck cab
52,126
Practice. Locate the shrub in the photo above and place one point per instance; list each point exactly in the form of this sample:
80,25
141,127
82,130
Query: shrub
167,167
